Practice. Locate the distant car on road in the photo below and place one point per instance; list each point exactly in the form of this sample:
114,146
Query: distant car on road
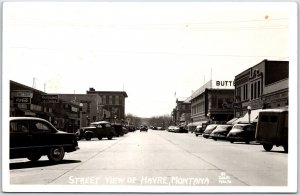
220,132
97,129
32,137
144,128
242,132
208,130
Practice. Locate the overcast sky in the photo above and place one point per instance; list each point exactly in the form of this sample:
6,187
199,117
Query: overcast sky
149,49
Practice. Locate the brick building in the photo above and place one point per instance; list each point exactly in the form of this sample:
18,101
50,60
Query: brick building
264,85
112,104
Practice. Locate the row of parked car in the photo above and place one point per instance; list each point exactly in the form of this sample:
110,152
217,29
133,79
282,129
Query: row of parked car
32,137
239,132
271,129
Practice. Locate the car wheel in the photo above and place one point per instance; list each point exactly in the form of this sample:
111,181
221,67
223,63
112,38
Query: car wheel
215,139
110,137
56,154
196,135
34,157
231,141
268,147
247,142
88,136
99,137
286,148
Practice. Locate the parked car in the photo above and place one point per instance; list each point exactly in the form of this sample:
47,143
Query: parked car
208,130
242,132
118,129
160,128
199,130
272,128
171,128
97,129
220,132
32,138
180,129
143,128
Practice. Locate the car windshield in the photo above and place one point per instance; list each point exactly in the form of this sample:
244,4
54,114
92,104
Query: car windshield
210,127
222,127
238,127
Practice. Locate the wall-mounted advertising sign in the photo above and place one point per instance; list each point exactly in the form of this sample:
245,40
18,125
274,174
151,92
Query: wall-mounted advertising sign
22,100
22,93
223,84
49,98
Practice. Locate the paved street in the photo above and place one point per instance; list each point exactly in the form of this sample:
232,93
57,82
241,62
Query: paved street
159,158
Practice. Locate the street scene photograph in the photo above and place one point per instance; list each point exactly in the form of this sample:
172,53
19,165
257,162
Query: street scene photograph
161,97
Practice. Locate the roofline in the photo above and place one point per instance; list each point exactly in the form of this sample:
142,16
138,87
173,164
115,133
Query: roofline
123,92
25,86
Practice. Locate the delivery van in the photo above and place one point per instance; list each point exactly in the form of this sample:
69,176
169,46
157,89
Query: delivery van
272,128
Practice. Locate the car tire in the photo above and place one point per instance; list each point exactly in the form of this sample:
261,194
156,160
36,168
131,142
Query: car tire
231,141
100,138
34,157
268,147
110,137
56,154
88,136
196,135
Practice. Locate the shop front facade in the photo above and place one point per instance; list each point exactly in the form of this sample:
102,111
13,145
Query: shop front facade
262,86
210,104
29,102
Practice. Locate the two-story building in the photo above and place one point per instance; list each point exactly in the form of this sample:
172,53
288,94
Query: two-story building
182,113
112,104
212,102
264,85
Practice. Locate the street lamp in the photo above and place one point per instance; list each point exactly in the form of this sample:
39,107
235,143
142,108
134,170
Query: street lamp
80,114
249,112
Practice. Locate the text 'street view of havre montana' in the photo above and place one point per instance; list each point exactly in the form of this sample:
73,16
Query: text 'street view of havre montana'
149,96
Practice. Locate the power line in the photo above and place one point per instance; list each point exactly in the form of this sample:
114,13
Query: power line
150,52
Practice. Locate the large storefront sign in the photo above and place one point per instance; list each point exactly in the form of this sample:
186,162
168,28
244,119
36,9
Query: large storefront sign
22,93
21,100
49,98
222,84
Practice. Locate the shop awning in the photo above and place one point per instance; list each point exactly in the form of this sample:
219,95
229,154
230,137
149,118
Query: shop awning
245,118
27,112
196,123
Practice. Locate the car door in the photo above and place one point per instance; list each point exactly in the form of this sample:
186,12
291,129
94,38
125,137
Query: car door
20,138
250,132
42,134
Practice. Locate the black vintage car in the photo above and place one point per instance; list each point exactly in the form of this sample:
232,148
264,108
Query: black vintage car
97,129
32,137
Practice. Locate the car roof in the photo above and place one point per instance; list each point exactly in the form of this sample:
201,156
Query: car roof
26,118
242,124
100,122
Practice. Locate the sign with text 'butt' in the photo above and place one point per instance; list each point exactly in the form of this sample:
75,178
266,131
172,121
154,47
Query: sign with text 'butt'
49,98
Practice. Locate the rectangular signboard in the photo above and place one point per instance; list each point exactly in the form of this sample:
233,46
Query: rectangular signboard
22,93
22,100
49,98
